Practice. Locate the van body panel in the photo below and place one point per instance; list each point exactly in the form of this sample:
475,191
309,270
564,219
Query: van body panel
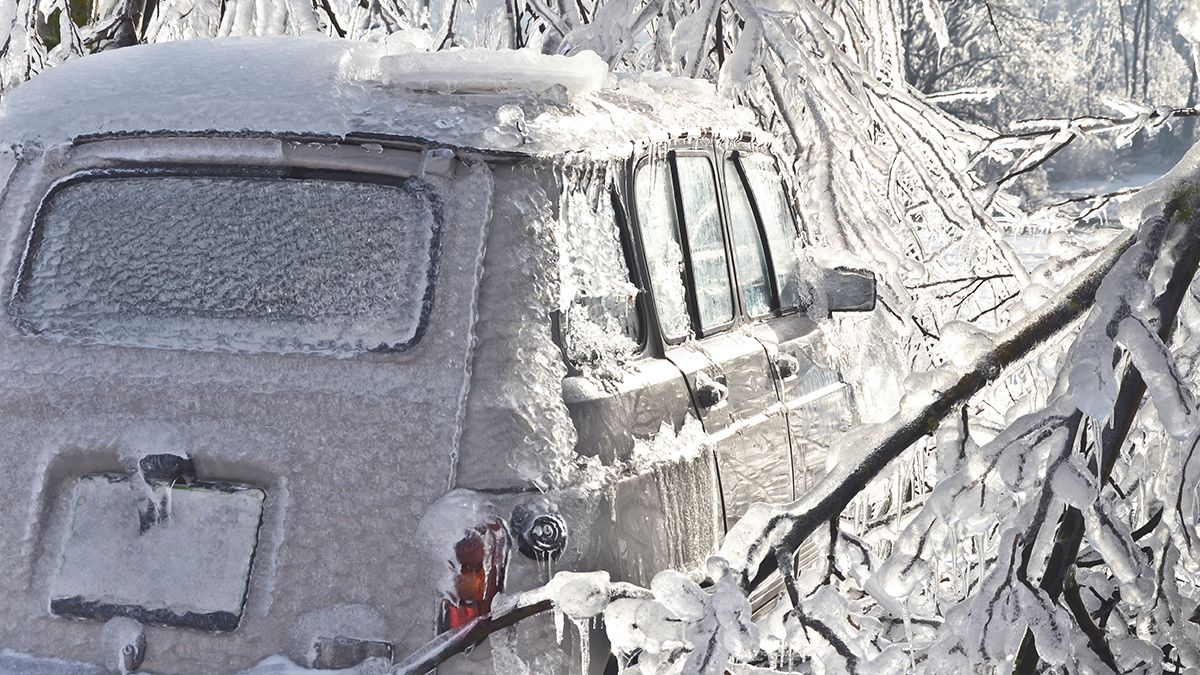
350,453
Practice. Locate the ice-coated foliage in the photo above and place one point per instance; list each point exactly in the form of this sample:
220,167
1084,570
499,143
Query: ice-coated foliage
1055,57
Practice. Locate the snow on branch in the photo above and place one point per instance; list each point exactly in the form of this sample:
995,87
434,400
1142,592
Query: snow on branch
765,528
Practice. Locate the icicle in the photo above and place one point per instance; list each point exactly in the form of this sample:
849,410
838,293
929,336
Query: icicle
897,496
908,635
559,618
938,589
584,645
804,464
981,561
960,561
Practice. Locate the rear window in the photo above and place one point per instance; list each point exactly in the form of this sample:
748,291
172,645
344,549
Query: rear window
231,263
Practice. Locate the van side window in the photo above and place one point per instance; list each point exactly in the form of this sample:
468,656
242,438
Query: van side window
599,312
706,245
659,225
780,229
752,272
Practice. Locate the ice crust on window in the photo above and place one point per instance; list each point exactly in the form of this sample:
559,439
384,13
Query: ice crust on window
597,301
165,262
706,245
661,241
775,211
749,249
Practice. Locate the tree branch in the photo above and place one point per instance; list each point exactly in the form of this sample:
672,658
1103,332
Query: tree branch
750,542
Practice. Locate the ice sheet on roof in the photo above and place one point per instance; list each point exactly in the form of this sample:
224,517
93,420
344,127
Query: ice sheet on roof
332,86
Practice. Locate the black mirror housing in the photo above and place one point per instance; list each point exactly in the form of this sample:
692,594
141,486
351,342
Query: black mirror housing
850,290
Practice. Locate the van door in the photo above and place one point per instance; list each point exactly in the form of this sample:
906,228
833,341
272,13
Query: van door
664,509
820,406
727,370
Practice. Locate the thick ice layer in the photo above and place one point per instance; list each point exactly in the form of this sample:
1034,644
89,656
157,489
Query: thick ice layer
197,562
596,298
330,86
963,342
479,71
1148,201
515,410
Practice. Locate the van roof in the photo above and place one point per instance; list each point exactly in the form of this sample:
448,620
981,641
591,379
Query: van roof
509,101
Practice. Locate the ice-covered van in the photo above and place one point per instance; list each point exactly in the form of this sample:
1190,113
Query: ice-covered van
311,348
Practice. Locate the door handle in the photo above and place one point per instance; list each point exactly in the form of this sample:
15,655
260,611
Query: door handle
711,393
786,365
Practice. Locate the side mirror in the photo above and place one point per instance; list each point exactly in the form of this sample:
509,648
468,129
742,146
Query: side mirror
850,290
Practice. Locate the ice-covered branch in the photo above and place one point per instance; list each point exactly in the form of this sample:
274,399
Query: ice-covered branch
1042,139
576,594
752,541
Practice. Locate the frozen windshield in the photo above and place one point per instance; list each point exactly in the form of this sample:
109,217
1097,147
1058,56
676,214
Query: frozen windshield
231,263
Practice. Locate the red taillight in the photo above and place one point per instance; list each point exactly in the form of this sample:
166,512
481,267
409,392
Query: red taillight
477,574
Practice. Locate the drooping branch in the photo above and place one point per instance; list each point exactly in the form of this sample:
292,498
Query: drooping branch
752,541
457,641
1181,243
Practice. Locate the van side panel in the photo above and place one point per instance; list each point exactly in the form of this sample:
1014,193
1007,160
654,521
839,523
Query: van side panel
349,452
516,429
